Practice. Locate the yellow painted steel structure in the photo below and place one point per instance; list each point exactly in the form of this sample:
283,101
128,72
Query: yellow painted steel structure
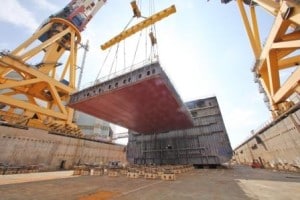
36,95
140,26
279,52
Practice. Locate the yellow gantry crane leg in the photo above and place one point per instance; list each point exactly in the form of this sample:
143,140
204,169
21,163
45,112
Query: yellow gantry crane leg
280,51
140,26
36,95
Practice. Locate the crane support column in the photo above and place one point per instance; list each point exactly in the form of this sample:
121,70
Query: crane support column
37,95
280,51
32,92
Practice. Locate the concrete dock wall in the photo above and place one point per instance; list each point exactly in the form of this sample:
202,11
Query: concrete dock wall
277,146
36,147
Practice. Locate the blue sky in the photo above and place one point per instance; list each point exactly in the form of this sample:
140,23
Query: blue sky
203,48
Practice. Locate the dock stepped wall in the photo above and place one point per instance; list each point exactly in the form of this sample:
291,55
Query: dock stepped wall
19,147
276,146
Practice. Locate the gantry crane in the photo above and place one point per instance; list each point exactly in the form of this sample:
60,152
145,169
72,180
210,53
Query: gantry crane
279,52
36,94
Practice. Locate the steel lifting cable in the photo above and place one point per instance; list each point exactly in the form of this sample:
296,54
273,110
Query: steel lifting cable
124,52
146,46
107,55
151,10
114,60
146,43
147,33
154,47
124,49
151,7
104,61
139,39
137,46
139,3
117,50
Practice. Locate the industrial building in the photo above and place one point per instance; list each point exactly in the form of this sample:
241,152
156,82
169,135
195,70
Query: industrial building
205,144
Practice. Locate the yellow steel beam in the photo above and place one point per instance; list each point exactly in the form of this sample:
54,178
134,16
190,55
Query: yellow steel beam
36,82
255,28
279,28
273,72
289,62
291,36
285,52
33,38
295,14
286,44
33,91
64,72
10,93
34,51
250,33
265,81
73,57
17,65
57,99
13,84
278,31
145,23
70,116
29,106
50,59
297,89
22,87
280,51
33,101
38,90
269,5
289,87
68,24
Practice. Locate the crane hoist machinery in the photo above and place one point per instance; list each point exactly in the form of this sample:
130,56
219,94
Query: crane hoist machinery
278,53
35,95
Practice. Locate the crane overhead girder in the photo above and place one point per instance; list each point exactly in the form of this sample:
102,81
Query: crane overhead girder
140,26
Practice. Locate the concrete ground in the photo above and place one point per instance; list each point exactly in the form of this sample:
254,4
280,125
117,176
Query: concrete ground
23,178
239,182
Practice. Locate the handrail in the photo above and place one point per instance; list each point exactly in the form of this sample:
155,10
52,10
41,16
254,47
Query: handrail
122,71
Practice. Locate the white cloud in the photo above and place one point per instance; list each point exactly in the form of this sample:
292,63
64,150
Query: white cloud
46,5
13,12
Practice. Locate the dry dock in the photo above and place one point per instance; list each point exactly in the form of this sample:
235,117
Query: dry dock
238,182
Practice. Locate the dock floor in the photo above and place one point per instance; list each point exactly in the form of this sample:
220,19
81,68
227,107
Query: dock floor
238,182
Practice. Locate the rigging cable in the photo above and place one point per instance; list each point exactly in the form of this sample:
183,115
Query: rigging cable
99,72
152,34
137,46
107,55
